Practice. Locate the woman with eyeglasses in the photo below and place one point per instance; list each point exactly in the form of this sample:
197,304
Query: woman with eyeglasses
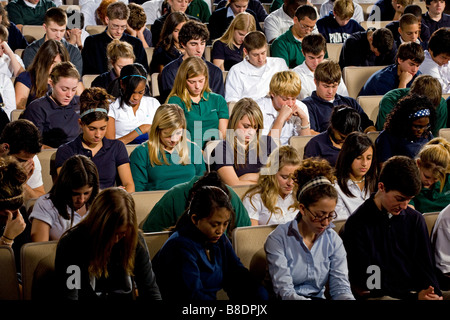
407,128
327,144
306,254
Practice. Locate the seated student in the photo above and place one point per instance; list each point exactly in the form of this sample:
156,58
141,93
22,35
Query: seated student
75,32
55,22
228,49
199,9
166,212
11,64
327,144
385,232
168,48
255,5
435,18
192,38
94,56
284,115
110,252
16,40
437,58
433,161
416,10
239,157
28,12
322,100
289,45
68,201
120,54
192,93
136,25
131,114
272,200
338,25
250,78
407,128
198,258
281,19
110,156
401,74
33,83
409,30
356,173
21,139
439,242
221,18
305,255
327,7
373,47
423,85
314,48
168,157
56,114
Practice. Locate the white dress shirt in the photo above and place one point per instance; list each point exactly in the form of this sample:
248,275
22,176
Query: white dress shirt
258,211
442,73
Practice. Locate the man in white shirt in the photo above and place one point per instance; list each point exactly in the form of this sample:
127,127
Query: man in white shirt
284,115
437,57
21,139
250,78
313,48
11,64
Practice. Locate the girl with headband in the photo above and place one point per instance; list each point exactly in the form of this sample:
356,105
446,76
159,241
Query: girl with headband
407,128
198,258
110,156
131,114
306,254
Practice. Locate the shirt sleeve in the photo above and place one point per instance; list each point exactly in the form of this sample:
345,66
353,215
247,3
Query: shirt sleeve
35,180
253,206
223,111
279,49
138,164
233,85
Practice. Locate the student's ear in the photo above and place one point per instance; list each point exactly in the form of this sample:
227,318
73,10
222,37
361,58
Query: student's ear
4,149
79,122
107,20
316,82
194,219
245,52
418,162
381,186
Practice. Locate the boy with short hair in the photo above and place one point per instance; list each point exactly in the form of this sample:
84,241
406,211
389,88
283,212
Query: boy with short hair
327,77
327,7
314,49
435,17
388,247
409,30
284,115
338,25
250,78
137,24
401,74
437,58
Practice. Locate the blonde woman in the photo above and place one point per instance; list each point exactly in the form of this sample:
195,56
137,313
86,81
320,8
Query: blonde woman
239,158
167,158
433,161
271,200
205,111
228,49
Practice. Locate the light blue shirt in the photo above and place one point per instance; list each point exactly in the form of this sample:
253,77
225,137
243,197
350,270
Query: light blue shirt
298,273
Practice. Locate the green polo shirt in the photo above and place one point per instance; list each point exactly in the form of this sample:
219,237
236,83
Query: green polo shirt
166,211
288,48
432,200
203,118
20,13
391,98
199,9
163,177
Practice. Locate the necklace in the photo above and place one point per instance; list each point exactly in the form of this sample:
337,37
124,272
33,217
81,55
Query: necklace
359,181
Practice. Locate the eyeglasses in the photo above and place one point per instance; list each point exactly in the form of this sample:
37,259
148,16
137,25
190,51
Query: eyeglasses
306,27
418,127
116,27
330,217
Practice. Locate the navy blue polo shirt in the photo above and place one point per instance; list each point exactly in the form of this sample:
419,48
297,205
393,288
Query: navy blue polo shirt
112,155
57,124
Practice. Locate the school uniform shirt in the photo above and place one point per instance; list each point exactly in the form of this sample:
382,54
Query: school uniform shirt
163,177
347,205
170,207
112,155
199,9
289,48
45,211
442,73
204,116
440,238
432,199
333,32
321,146
35,180
308,85
399,245
299,273
424,31
7,94
327,6
163,57
125,119
277,23
6,67
230,56
434,25
16,40
383,81
20,12
246,80
56,124
258,211
320,111
182,263
292,127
